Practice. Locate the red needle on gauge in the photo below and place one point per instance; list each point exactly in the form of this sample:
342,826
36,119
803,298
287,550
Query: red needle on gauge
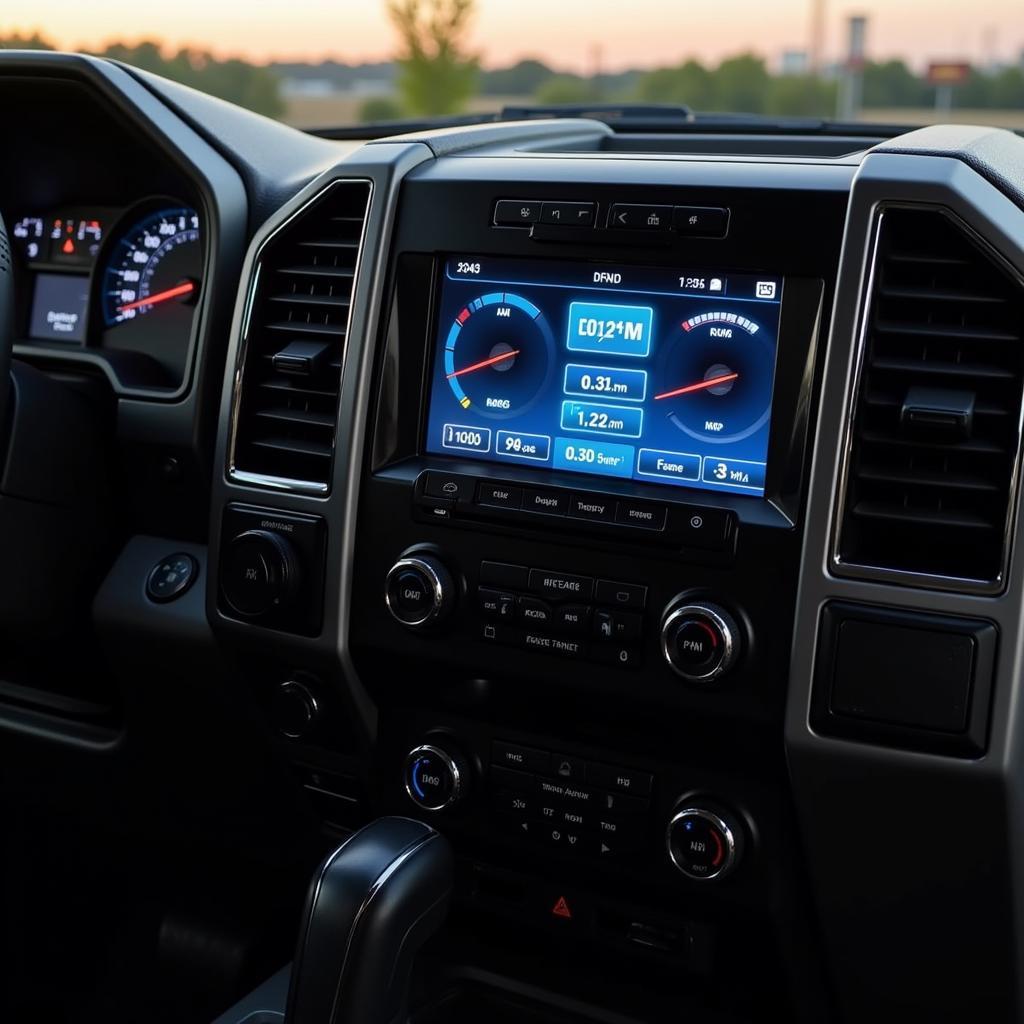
152,300
701,386
484,363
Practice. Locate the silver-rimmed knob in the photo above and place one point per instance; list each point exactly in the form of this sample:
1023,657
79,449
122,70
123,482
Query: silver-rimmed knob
419,591
704,843
700,641
434,778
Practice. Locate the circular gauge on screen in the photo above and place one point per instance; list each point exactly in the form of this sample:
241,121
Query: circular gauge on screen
714,378
498,355
153,268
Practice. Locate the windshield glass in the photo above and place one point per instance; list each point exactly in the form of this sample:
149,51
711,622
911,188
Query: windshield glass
326,63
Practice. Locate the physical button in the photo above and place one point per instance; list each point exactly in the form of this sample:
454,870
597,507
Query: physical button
516,212
561,584
563,646
571,769
593,507
499,495
497,605
500,574
572,618
620,780
701,221
636,513
640,217
171,577
535,612
620,595
579,215
708,528
446,485
551,503
524,759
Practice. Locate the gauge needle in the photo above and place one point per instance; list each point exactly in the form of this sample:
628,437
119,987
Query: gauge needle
484,363
703,385
152,300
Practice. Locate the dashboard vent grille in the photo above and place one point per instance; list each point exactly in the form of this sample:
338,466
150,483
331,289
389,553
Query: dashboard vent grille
294,347
933,451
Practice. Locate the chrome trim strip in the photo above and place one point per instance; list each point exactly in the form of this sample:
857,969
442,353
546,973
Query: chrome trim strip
267,481
855,570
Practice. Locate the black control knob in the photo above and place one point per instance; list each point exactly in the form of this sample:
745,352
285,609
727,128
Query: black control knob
295,709
260,573
704,841
419,591
700,641
435,777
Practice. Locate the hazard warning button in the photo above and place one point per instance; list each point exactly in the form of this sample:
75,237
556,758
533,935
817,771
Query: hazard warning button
562,908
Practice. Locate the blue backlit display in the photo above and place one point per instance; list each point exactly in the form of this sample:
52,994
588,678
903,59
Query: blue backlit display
652,374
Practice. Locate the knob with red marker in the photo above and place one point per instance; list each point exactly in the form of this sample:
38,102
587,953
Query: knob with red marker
700,640
705,841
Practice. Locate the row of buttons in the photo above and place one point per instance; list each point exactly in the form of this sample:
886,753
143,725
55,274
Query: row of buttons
693,526
563,584
569,768
693,221
576,619
566,815
596,508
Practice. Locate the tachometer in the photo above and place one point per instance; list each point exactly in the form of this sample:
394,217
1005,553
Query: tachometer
153,268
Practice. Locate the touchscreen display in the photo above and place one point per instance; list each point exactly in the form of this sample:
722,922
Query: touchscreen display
661,375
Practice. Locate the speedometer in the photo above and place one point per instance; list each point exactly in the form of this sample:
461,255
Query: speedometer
154,268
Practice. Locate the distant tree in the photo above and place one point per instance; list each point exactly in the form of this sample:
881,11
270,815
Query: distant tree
741,84
801,96
522,79
379,108
893,84
690,84
16,41
436,74
567,89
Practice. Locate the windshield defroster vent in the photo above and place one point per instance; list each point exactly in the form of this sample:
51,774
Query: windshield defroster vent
294,345
932,454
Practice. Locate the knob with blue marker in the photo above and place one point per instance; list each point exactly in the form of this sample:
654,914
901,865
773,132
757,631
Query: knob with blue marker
435,777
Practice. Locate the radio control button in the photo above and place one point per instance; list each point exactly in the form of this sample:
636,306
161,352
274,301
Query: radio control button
619,780
700,641
499,495
551,503
561,585
523,759
595,507
707,528
620,595
642,514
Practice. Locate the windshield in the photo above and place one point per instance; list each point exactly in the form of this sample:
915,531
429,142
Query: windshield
328,63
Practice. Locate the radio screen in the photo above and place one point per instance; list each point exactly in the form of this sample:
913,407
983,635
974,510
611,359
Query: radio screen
651,374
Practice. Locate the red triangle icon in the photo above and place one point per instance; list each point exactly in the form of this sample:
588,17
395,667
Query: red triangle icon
68,246
561,908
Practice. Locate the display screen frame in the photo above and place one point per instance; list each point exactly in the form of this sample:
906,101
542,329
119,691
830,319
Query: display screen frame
798,290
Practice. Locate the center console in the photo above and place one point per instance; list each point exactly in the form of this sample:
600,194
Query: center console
575,517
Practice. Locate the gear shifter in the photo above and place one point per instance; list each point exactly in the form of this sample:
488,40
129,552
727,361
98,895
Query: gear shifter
371,906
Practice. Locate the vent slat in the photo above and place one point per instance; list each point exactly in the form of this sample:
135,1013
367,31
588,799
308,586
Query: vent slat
286,424
301,327
928,492
927,330
297,299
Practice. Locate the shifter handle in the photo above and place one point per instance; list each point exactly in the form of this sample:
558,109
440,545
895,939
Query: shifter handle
372,904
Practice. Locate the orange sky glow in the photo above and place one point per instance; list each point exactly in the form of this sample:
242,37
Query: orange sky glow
576,35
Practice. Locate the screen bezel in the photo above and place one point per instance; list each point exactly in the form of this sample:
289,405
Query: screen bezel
799,323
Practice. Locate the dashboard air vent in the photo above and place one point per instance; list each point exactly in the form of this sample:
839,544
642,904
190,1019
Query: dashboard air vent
287,406
933,450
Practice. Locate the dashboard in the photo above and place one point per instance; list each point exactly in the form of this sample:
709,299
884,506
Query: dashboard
639,508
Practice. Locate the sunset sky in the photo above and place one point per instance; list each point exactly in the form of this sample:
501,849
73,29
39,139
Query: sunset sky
569,34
